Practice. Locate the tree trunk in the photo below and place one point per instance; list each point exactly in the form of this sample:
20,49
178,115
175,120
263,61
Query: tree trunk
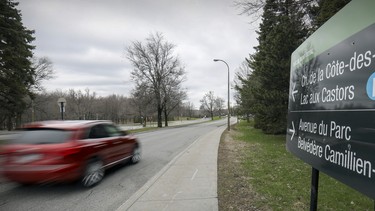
9,123
160,110
166,118
18,120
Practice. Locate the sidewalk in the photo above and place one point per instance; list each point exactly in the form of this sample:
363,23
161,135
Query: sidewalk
188,182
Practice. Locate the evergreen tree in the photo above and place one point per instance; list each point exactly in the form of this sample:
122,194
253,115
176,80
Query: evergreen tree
284,26
245,85
16,72
326,9
281,32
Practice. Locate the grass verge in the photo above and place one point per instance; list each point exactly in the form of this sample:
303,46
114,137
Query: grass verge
144,129
277,180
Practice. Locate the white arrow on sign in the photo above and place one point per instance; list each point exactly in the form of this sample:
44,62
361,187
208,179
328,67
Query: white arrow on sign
294,92
293,131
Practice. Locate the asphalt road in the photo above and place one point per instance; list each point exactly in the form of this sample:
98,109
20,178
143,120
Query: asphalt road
120,183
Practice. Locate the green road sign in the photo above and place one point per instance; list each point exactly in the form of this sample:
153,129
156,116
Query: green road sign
331,113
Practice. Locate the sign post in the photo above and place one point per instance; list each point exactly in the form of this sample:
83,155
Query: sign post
314,189
331,112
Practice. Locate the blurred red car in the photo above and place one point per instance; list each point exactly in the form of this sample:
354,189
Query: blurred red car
63,151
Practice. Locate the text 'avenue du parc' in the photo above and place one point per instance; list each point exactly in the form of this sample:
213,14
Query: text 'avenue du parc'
349,159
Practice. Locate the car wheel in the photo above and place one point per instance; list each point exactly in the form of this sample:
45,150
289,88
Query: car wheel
94,173
136,157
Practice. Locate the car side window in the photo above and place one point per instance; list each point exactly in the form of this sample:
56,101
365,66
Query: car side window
98,131
112,131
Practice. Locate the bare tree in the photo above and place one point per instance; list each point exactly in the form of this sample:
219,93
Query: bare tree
172,102
88,99
173,95
75,100
113,106
142,100
154,64
252,8
80,105
190,109
208,103
219,105
44,107
43,71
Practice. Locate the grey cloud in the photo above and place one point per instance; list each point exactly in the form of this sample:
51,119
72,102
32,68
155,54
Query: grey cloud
87,39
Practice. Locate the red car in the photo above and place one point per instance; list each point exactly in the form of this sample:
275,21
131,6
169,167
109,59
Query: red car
63,151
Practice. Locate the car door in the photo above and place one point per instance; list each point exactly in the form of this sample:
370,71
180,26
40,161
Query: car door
120,144
101,143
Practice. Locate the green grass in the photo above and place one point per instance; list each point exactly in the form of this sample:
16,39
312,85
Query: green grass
219,117
283,181
185,118
144,129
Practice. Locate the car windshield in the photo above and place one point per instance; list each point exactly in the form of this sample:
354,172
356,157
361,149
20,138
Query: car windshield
42,136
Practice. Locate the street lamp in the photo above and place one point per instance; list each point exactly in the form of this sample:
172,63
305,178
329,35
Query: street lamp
219,60
62,103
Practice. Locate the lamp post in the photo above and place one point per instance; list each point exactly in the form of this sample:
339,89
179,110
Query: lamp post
219,60
62,103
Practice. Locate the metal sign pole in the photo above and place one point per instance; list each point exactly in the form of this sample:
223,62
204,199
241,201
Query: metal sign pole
314,189
62,111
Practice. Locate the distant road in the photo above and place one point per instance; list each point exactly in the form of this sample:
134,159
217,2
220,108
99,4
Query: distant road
170,123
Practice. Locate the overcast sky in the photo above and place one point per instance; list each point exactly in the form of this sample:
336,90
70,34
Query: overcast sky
86,41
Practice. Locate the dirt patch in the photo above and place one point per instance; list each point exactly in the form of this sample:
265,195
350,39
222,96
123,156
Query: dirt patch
234,189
